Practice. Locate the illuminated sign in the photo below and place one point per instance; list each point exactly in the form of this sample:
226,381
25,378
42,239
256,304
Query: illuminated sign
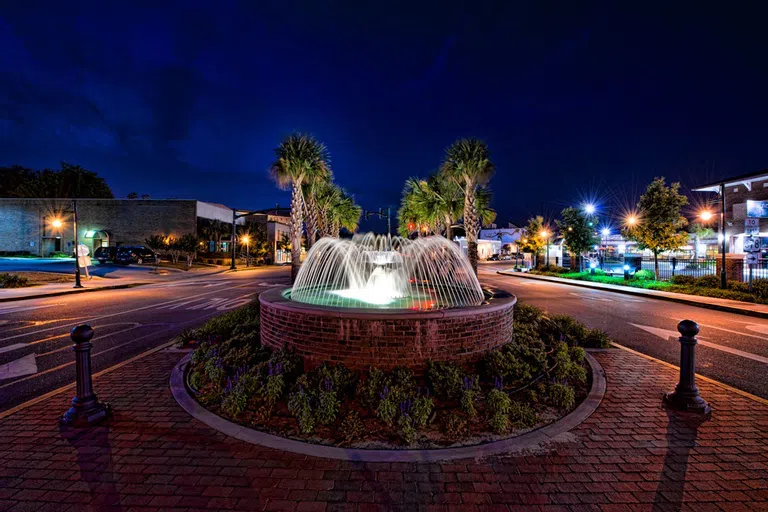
757,209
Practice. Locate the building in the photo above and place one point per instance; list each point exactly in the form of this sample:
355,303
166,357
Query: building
43,227
746,197
277,222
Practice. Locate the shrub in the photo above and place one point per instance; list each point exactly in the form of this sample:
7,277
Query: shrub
470,391
577,354
421,410
521,415
760,288
342,379
445,378
563,328
498,406
738,286
682,280
369,391
223,326
299,405
644,275
455,425
389,405
328,403
352,428
515,363
708,281
13,281
562,395
527,314
236,396
403,377
596,338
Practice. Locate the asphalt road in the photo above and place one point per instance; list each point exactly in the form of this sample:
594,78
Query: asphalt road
35,348
67,266
732,348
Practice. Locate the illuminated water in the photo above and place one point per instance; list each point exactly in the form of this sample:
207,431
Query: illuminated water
373,271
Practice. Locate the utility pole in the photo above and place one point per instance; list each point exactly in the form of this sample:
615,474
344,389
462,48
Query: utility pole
77,247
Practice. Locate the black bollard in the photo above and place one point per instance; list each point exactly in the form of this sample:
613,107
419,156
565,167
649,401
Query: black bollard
86,409
686,395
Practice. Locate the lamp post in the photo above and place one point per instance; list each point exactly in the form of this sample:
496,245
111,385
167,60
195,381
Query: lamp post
246,240
605,233
723,274
77,246
545,234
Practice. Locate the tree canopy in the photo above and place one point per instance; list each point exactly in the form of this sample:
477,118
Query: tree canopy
533,241
577,229
70,181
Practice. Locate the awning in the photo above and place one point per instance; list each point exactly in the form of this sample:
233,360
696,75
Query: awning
100,233
745,180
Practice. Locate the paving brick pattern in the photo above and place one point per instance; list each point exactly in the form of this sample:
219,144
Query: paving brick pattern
629,455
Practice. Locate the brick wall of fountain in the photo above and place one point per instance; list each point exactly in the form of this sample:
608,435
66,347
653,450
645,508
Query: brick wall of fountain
362,338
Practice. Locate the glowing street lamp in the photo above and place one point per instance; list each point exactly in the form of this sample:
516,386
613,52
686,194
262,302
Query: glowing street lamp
631,220
56,223
545,234
706,215
589,208
246,240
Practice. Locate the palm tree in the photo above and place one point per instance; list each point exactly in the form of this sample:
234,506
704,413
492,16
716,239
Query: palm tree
467,162
327,195
310,190
420,205
300,159
343,213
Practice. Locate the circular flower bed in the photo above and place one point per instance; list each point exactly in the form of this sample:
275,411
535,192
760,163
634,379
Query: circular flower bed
536,378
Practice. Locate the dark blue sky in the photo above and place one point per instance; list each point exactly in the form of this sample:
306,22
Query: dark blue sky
575,99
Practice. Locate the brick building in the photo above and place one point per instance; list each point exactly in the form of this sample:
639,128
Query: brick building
45,226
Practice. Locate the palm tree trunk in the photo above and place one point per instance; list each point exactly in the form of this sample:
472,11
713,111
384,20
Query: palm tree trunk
296,223
312,219
448,233
470,225
335,229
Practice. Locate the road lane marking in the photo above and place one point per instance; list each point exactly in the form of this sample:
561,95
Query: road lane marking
133,325
10,348
19,368
732,331
19,309
121,312
667,334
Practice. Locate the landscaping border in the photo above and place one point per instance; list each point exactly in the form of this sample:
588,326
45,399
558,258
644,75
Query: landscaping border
531,439
640,292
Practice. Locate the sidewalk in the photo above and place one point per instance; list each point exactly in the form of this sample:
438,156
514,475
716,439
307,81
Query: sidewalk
630,455
110,283
727,305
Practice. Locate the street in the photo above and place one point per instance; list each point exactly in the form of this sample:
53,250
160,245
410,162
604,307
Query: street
35,348
36,355
732,349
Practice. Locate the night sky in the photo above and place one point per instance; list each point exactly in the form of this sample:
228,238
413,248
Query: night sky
576,100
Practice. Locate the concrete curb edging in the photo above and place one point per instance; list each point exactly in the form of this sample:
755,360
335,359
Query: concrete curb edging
530,439
76,291
638,293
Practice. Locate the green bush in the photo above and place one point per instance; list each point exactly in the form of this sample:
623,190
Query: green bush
445,378
563,328
352,428
527,314
455,426
644,275
421,410
577,354
498,406
224,325
515,363
369,390
328,404
682,280
403,377
708,281
299,405
738,286
13,281
760,288
562,395
596,338
521,415
389,405
470,392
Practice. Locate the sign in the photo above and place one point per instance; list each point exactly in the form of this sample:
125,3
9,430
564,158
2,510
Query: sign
751,223
751,258
757,209
752,231
752,244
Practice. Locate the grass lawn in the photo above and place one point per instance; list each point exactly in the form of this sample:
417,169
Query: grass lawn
735,291
26,279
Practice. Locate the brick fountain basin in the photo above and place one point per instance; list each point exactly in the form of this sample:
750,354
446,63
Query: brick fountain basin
384,338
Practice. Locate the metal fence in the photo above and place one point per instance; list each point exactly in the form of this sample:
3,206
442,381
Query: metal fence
668,267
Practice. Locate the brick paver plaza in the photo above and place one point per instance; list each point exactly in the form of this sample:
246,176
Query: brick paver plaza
630,454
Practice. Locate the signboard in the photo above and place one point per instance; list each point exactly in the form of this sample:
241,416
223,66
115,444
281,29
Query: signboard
751,223
752,244
757,209
751,258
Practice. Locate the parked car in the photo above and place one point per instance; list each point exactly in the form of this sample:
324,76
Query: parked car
127,254
105,254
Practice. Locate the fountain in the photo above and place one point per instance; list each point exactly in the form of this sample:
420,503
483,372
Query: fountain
383,301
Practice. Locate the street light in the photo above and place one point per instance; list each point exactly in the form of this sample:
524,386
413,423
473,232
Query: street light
631,220
605,233
589,208
246,240
706,215
56,223
545,234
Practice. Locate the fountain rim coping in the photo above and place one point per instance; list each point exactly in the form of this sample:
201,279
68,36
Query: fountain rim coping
533,438
274,298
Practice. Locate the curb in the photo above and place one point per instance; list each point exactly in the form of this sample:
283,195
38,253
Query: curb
547,433
638,293
75,291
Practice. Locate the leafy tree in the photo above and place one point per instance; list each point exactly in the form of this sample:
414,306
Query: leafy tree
337,210
188,245
70,181
467,162
158,244
578,231
533,242
300,159
132,195
661,228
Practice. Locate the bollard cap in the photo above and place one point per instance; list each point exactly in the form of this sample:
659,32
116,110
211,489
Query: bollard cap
81,333
688,328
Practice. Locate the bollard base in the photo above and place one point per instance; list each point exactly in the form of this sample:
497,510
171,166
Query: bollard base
86,414
687,403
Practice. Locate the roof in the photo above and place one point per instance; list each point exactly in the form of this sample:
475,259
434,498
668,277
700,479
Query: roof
744,179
